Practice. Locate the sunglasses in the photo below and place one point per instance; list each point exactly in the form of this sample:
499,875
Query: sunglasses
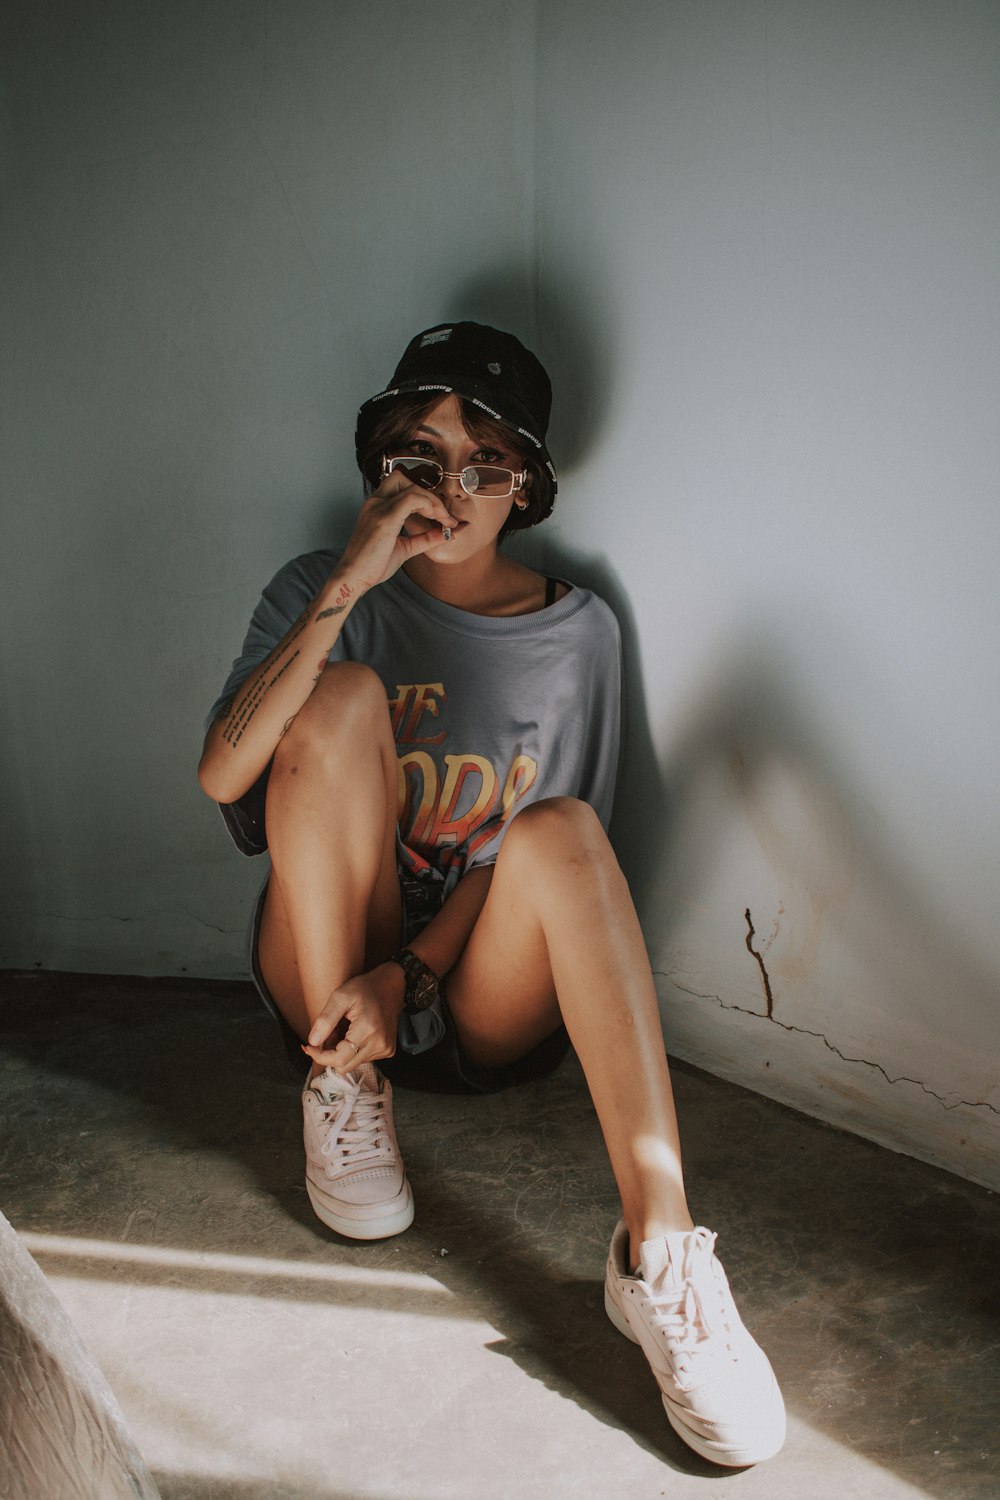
478,479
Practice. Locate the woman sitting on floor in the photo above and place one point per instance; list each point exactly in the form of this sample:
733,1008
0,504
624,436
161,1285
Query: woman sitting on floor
429,731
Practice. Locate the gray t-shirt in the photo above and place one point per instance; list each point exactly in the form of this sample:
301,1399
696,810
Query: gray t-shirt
489,713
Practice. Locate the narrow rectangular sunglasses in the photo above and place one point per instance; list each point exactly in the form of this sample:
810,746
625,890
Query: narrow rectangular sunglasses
477,479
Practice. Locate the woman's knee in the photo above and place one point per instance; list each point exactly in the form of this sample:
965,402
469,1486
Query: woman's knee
349,683
347,705
561,828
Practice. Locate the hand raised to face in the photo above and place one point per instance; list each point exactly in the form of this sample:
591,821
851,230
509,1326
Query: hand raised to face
400,520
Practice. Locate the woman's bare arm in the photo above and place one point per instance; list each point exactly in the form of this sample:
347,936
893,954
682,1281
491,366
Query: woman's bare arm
441,943
371,1002
242,739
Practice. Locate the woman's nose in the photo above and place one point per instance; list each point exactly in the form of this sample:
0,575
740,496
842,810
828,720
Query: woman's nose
450,488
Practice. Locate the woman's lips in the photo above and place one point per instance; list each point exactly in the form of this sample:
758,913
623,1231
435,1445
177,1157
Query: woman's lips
418,526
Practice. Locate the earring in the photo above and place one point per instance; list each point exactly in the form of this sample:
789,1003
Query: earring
521,504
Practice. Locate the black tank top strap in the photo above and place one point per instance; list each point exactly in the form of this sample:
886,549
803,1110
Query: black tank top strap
551,584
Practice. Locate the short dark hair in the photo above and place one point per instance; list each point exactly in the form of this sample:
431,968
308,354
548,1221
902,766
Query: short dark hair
395,425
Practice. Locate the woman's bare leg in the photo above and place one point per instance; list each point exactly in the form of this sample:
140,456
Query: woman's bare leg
559,936
333,903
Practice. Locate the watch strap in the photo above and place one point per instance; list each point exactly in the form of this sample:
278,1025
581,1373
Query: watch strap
422,984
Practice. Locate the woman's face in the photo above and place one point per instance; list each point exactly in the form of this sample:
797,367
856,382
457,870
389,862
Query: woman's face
440,435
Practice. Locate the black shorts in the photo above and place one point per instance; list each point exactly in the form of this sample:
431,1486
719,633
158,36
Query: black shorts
442,1067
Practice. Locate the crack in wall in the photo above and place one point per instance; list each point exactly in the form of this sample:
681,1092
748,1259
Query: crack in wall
804,1031
760,964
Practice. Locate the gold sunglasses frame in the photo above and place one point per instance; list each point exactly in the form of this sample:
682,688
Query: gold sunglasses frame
518,477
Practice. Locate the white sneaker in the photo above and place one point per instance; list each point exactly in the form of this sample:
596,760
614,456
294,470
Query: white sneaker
718,1388
354,1172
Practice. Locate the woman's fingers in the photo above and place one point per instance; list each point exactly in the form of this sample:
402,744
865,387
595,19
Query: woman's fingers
341,1058
358,1022
418,505
410,499
327,1032
348,1053
398,521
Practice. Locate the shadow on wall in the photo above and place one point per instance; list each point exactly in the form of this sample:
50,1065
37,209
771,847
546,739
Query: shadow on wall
750,731
749,734
580,355
503,296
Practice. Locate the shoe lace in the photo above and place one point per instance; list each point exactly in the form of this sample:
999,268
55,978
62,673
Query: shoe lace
683,1311
357,1134
679,1316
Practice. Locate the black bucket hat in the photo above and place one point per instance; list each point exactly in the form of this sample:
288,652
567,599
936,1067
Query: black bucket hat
483,365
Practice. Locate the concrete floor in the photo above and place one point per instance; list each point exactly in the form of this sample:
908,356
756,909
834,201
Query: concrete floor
150,1159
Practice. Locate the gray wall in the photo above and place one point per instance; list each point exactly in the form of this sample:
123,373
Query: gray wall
227,220
782,221
756,244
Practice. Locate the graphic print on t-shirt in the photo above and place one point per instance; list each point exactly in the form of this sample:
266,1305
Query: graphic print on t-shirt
451,804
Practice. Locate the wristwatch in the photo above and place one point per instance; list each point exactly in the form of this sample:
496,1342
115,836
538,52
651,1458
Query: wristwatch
422,984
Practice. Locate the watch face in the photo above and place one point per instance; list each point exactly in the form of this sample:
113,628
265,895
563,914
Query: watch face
422,984
425,990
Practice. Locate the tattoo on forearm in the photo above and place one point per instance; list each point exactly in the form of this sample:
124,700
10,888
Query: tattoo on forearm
273,669
240,720
339,604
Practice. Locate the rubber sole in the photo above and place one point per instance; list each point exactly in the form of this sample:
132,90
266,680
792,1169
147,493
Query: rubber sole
393,1222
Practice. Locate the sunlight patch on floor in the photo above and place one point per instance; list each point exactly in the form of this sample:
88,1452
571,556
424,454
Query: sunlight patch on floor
53,1247
273,1374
